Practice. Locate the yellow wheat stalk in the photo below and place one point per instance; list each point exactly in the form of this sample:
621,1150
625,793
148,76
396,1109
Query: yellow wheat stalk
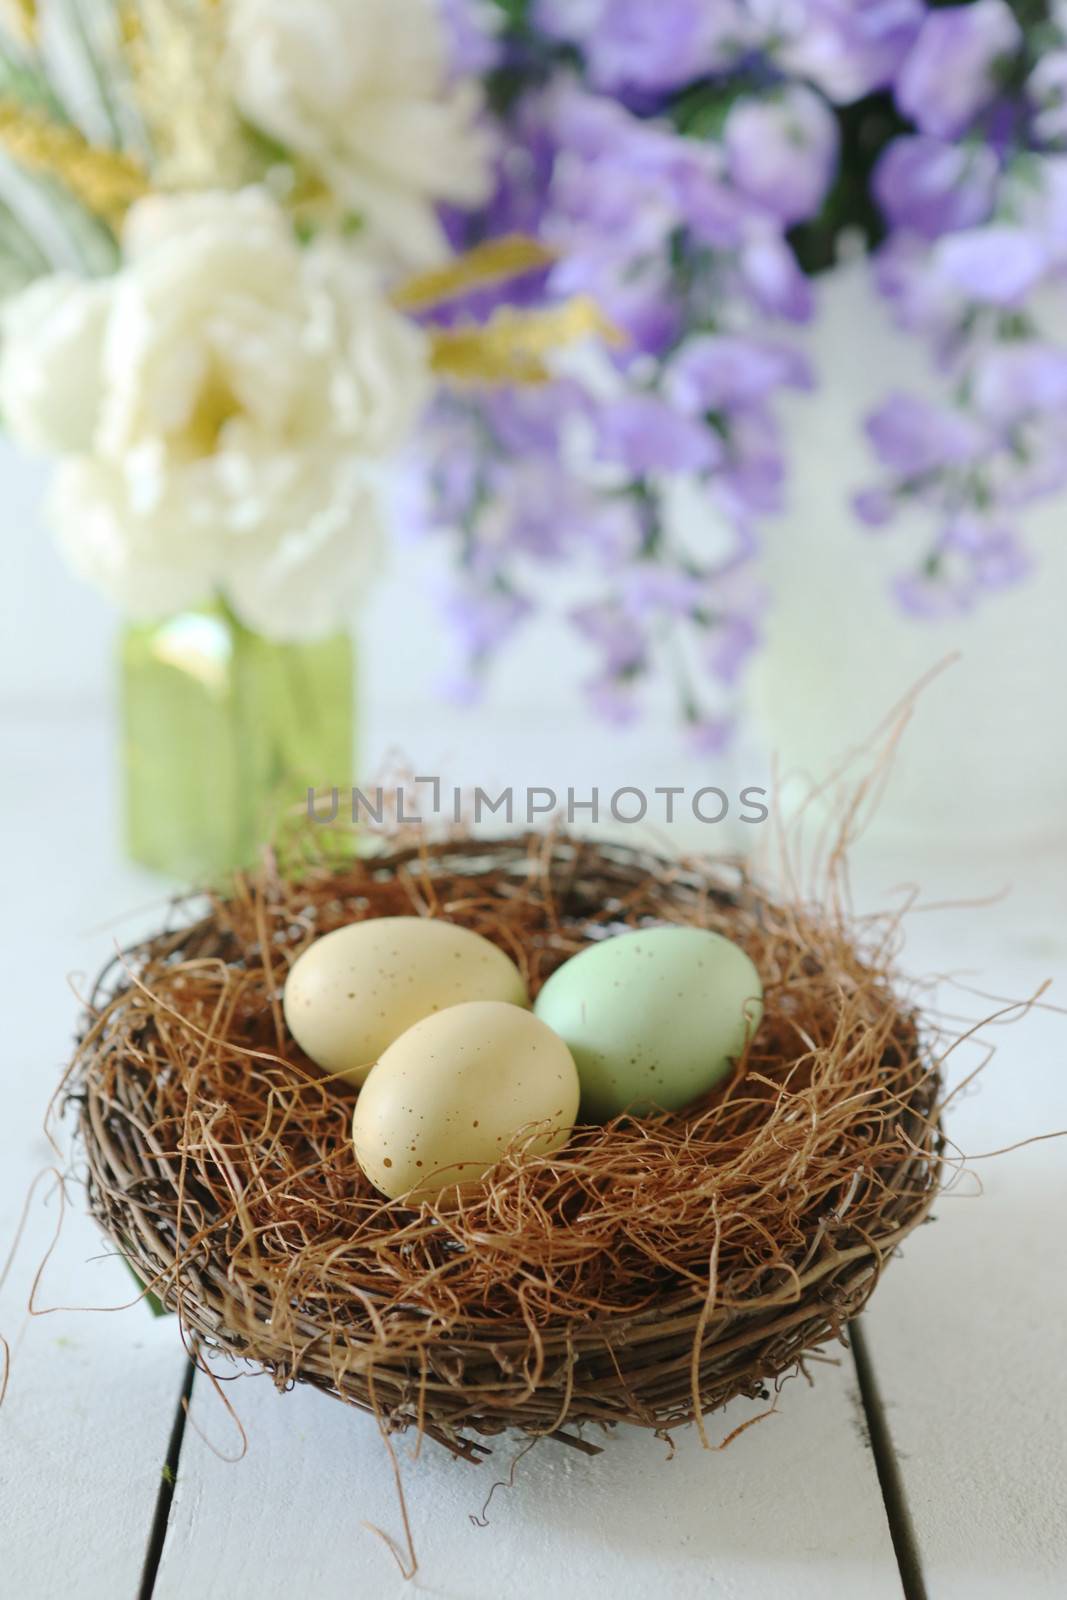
175,52
511,347
510,256
21,17
104,181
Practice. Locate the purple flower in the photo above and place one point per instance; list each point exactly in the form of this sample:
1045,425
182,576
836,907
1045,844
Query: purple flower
922,301
527,509
731,644
973,554
968,533
932,187
439,481
613,633
649,590
782,151
709,735
995,265
875,508
482,618
914,436
527,421
1033,465
540,509
1000,562
720,371
1012,381
613,699
1047,91
641,302
684,242
749,485
633,47
926,596
609,526
642,433
618,191
715,212
770,272
1038,198
950,73
845,47
471,28
620,186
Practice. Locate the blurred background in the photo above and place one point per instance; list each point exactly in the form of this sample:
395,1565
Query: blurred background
614,404
983,760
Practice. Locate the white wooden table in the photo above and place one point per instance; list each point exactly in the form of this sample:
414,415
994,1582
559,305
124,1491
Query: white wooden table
964,1390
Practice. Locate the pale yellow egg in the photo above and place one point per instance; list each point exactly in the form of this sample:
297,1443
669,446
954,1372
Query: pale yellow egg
354,991
449,1095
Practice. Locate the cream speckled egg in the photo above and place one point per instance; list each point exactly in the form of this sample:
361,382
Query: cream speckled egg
354,991
653,1018
448,1096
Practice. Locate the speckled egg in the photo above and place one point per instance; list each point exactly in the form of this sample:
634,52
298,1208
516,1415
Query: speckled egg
447,1097
354,991
653,1018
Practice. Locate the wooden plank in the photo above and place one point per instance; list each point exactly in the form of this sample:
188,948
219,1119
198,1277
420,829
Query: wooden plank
967,1333
790,1510
965,1336
84,1426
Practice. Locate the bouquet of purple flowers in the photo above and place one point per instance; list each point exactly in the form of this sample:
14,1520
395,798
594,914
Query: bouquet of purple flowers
694,165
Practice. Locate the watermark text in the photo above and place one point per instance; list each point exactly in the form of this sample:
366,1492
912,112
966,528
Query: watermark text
425,799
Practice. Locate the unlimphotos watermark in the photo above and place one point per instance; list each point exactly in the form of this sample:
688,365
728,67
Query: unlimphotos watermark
432,799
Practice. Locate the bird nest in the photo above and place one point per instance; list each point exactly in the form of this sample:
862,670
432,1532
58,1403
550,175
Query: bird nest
649,1272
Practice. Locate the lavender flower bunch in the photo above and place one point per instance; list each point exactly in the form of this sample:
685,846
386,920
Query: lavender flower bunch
692,163
975,196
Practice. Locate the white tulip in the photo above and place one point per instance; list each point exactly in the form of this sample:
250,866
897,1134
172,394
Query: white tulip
361,91
52,339
222,405
310,567
151,558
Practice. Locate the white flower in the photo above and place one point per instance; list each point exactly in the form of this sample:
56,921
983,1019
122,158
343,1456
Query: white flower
320,551
310,539
360,89
149,561
52,343
222,405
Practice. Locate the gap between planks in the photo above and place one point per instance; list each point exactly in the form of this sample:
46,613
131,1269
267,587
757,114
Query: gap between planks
898,1515
167,1479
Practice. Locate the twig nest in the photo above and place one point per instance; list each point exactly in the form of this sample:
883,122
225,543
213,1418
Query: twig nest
647,1271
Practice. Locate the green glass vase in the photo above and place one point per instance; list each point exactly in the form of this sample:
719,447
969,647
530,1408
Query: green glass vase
223,733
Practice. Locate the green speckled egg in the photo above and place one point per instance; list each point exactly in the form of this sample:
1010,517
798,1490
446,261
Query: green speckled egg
652,1018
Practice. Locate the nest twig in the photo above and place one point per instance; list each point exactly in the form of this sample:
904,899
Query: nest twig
648,1272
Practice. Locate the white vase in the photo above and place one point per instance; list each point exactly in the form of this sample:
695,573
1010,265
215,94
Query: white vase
985,754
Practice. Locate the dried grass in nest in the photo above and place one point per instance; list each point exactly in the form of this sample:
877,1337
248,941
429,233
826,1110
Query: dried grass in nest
648,1272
